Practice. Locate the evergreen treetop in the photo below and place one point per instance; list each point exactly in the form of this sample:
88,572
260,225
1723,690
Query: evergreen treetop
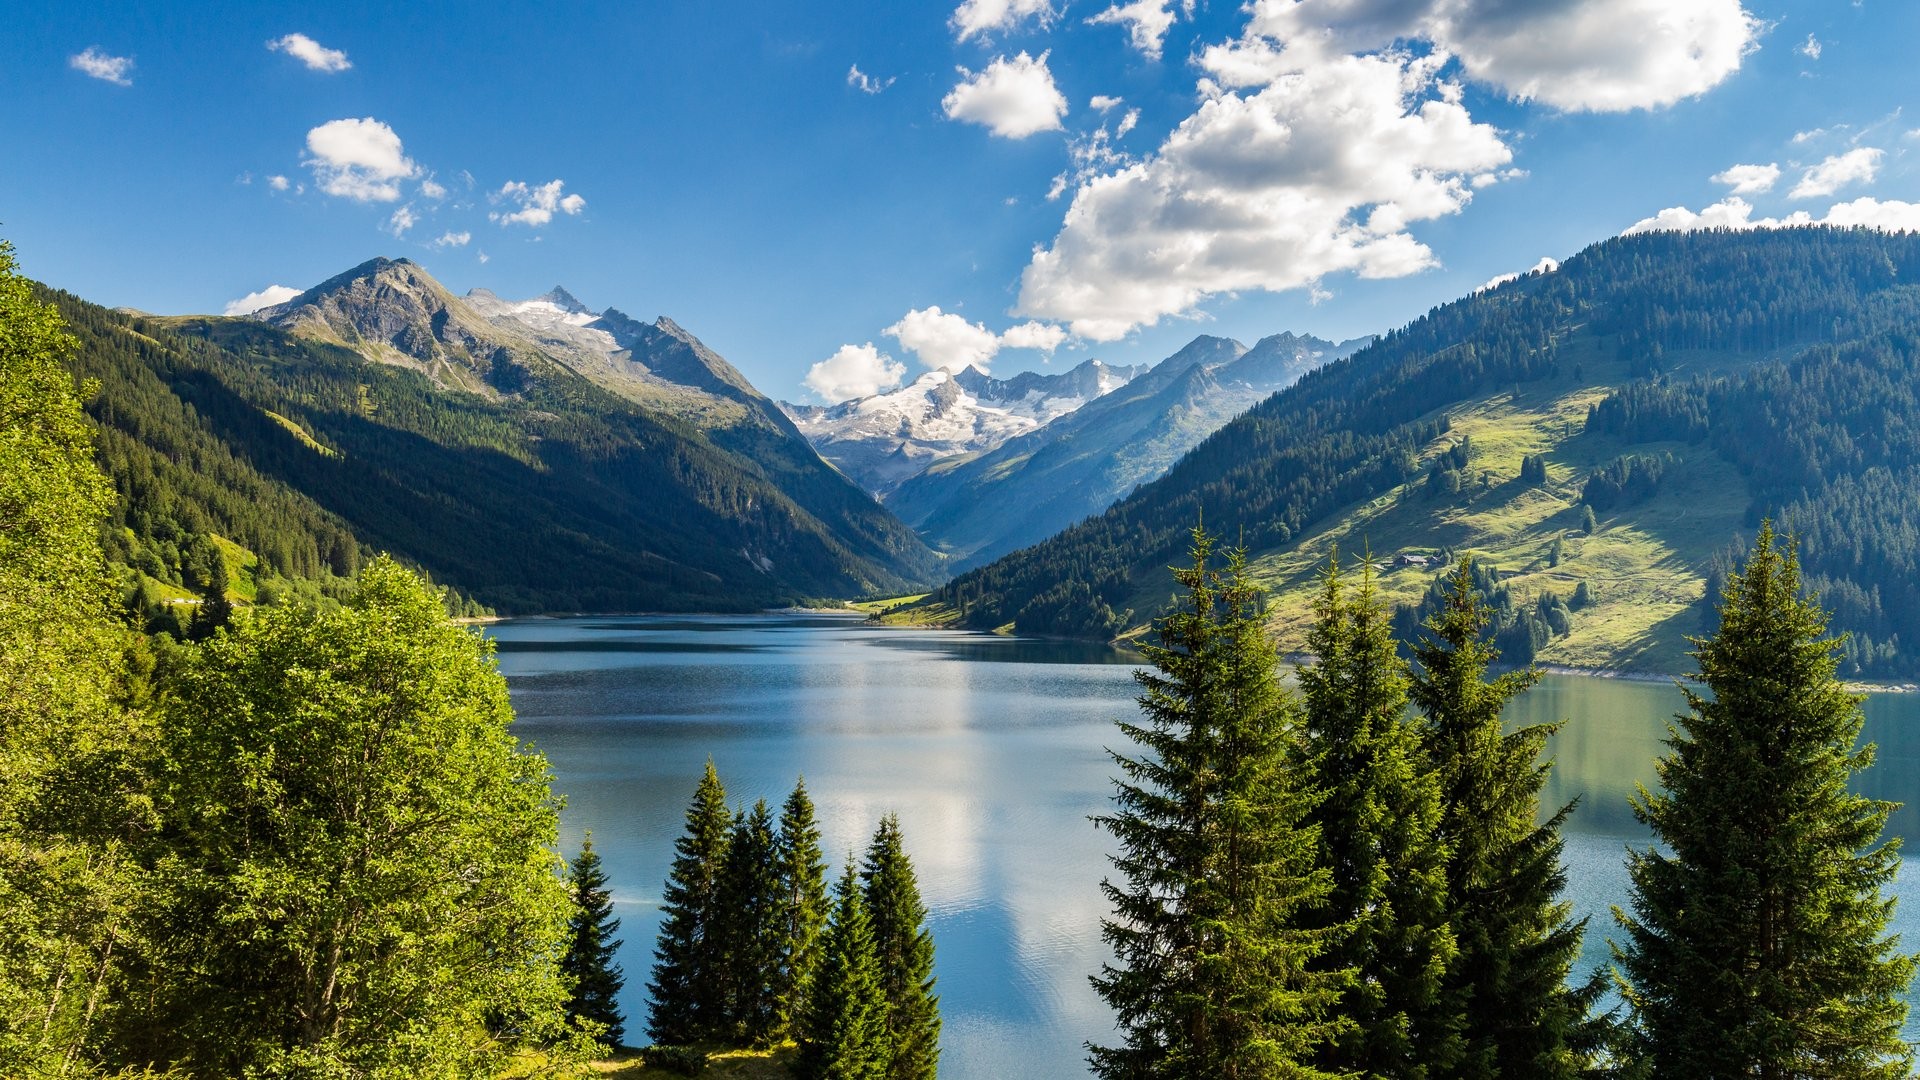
751,926
1758,943
904,948
589,965
804,901
687,993
844,1036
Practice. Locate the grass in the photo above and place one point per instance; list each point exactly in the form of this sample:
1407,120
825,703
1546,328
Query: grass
1644,564
869,607
772,1064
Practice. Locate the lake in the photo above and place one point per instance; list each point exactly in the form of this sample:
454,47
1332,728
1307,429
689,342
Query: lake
992,751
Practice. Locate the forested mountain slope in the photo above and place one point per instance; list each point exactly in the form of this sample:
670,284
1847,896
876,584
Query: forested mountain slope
511,477
1598,435
982,506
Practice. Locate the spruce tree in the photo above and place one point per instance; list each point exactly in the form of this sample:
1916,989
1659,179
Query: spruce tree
844,1034
904,948
1758,942
1214,970
803,885
689,965
589,965
752,930
1506,986
1378,825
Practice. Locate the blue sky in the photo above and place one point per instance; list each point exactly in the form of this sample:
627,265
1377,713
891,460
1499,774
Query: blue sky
804,185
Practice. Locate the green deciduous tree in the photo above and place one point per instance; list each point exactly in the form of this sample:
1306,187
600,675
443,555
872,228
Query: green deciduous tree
69,792
359,875
688,997
752,929
1379,823
1757,944
844,1036
803,883
594,976
1213,973
1506,986
904,948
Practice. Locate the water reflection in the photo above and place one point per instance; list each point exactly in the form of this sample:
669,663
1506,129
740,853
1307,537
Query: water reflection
991,750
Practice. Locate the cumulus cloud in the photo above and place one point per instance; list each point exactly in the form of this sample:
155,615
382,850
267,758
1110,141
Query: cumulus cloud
1034,335
451,239
432,189
944,340
976,17
1012,98
1319,170
1103,102
102,66
278,183
537,205
1748,179
1547,265
866,83
1811,49
1147,23
855,371
1891,215
1857,166
265,298
1576,55
316,56
402,220
359,159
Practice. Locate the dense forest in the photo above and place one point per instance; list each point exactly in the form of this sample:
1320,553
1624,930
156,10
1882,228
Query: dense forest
565,498
1803,341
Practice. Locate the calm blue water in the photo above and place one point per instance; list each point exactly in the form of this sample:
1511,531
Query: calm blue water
991,750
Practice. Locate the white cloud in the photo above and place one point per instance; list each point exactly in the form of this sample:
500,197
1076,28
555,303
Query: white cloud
432,189
1808,136
866,83
265,298
1891,215
1127,123
1012,98
485,258
1576,55
358,159
278,183
316,56
113,69
402,220
855,371
1748,179
1034,335
537,204
1147,23
1318,171
1810,50
944,340
975,17
1857,166
453,239
1547,265
1103,102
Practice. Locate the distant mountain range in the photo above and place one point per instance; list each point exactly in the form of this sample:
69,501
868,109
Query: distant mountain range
979,506
883,440
533,454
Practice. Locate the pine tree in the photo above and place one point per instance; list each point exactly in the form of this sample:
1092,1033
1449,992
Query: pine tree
1758,943
752,929
904,948
803,884
1212,974
214,610
688,1005
844,1036
1378,826
1506,986
589,964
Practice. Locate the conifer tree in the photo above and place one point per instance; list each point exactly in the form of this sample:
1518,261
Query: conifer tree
1758,942
1378,823
589,965
687,991
1213,974
904,948
1506,986
803,885
752,928
844,1035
